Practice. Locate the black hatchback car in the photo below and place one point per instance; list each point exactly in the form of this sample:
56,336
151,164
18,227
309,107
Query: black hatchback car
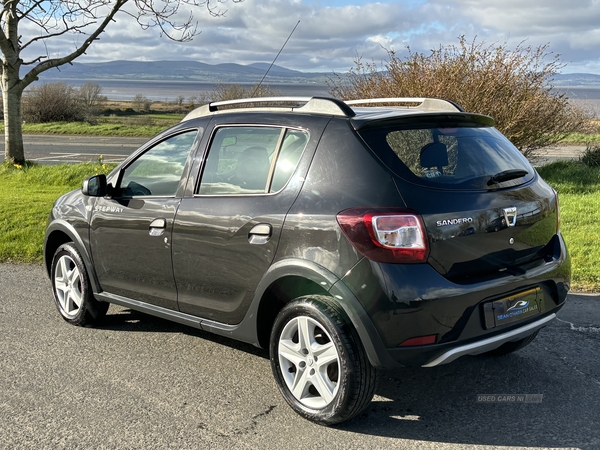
343,238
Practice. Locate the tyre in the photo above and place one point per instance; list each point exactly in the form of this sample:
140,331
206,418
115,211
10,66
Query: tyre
511,347
71,288
319,363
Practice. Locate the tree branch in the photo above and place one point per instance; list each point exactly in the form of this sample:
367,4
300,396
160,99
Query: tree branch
36,60
77,28
55,62
34,5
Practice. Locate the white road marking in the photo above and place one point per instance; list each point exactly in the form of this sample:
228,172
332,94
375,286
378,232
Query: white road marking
79,157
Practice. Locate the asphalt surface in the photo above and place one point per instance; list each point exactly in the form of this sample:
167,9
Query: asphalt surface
139,382
58,149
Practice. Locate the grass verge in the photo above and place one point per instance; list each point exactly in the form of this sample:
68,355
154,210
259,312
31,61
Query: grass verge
581,139
27,195
578,187
148,125
142,125
85,129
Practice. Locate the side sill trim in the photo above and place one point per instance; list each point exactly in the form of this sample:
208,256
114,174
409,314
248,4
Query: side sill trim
153,310
169,314
490,343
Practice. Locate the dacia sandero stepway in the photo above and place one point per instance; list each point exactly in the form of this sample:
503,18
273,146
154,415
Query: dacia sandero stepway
342,236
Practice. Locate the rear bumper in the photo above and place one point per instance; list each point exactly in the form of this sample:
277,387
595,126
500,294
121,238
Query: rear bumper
406,301
491,343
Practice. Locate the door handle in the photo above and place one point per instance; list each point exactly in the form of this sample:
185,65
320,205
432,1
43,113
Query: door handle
260,234
157,227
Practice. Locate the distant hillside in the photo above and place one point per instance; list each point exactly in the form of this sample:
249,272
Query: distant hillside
228,73
576,80
182,71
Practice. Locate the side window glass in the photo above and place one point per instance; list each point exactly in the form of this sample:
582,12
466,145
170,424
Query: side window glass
158,170
239,161
293,145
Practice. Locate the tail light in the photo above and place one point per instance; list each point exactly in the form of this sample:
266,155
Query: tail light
388,235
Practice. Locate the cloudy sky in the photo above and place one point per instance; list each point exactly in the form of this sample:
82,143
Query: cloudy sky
332,33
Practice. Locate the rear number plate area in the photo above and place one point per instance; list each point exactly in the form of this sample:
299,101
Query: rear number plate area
512,309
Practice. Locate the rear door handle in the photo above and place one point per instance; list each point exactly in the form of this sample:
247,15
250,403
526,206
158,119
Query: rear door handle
260,234
157,227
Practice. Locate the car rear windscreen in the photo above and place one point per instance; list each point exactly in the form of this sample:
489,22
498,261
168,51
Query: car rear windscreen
450,156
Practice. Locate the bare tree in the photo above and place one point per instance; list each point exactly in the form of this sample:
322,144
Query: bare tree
52,102
90,96
48,19
223,92
140,103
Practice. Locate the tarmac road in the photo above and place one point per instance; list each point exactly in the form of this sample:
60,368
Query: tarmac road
140,382
59,149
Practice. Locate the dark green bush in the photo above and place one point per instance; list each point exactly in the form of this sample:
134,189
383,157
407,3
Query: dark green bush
591,156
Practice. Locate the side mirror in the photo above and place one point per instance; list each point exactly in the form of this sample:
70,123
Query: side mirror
95,186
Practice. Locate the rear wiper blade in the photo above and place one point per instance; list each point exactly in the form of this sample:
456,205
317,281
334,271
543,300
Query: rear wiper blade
506,175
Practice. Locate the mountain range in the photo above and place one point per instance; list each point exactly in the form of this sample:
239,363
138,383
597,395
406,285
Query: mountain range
183,71
576,80
228,73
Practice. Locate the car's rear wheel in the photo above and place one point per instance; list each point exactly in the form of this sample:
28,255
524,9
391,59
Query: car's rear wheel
319,363
71,288
510,347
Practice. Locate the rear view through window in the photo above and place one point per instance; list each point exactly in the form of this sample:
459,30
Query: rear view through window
470,158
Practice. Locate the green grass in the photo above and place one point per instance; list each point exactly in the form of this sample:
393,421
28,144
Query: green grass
581,139
578,187
150,124
83,128
142,125
27,195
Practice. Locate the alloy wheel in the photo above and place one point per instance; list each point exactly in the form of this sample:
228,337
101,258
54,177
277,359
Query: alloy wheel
67,284
309,361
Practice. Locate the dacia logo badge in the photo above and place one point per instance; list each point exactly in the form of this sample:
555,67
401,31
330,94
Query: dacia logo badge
510,215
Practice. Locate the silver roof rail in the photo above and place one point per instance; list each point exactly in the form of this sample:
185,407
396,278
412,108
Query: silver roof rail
424,104
318,105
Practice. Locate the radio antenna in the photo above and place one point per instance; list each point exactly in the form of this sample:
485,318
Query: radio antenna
280,50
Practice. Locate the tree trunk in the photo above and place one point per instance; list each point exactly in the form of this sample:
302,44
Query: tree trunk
13,130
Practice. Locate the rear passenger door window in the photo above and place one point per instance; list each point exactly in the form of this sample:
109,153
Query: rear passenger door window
251,160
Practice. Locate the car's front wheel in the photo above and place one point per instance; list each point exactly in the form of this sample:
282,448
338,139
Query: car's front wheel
71,288
319,363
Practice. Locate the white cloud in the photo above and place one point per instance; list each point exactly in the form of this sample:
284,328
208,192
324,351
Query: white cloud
331,34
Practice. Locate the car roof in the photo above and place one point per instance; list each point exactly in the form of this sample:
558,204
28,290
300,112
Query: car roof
328,106
361,112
